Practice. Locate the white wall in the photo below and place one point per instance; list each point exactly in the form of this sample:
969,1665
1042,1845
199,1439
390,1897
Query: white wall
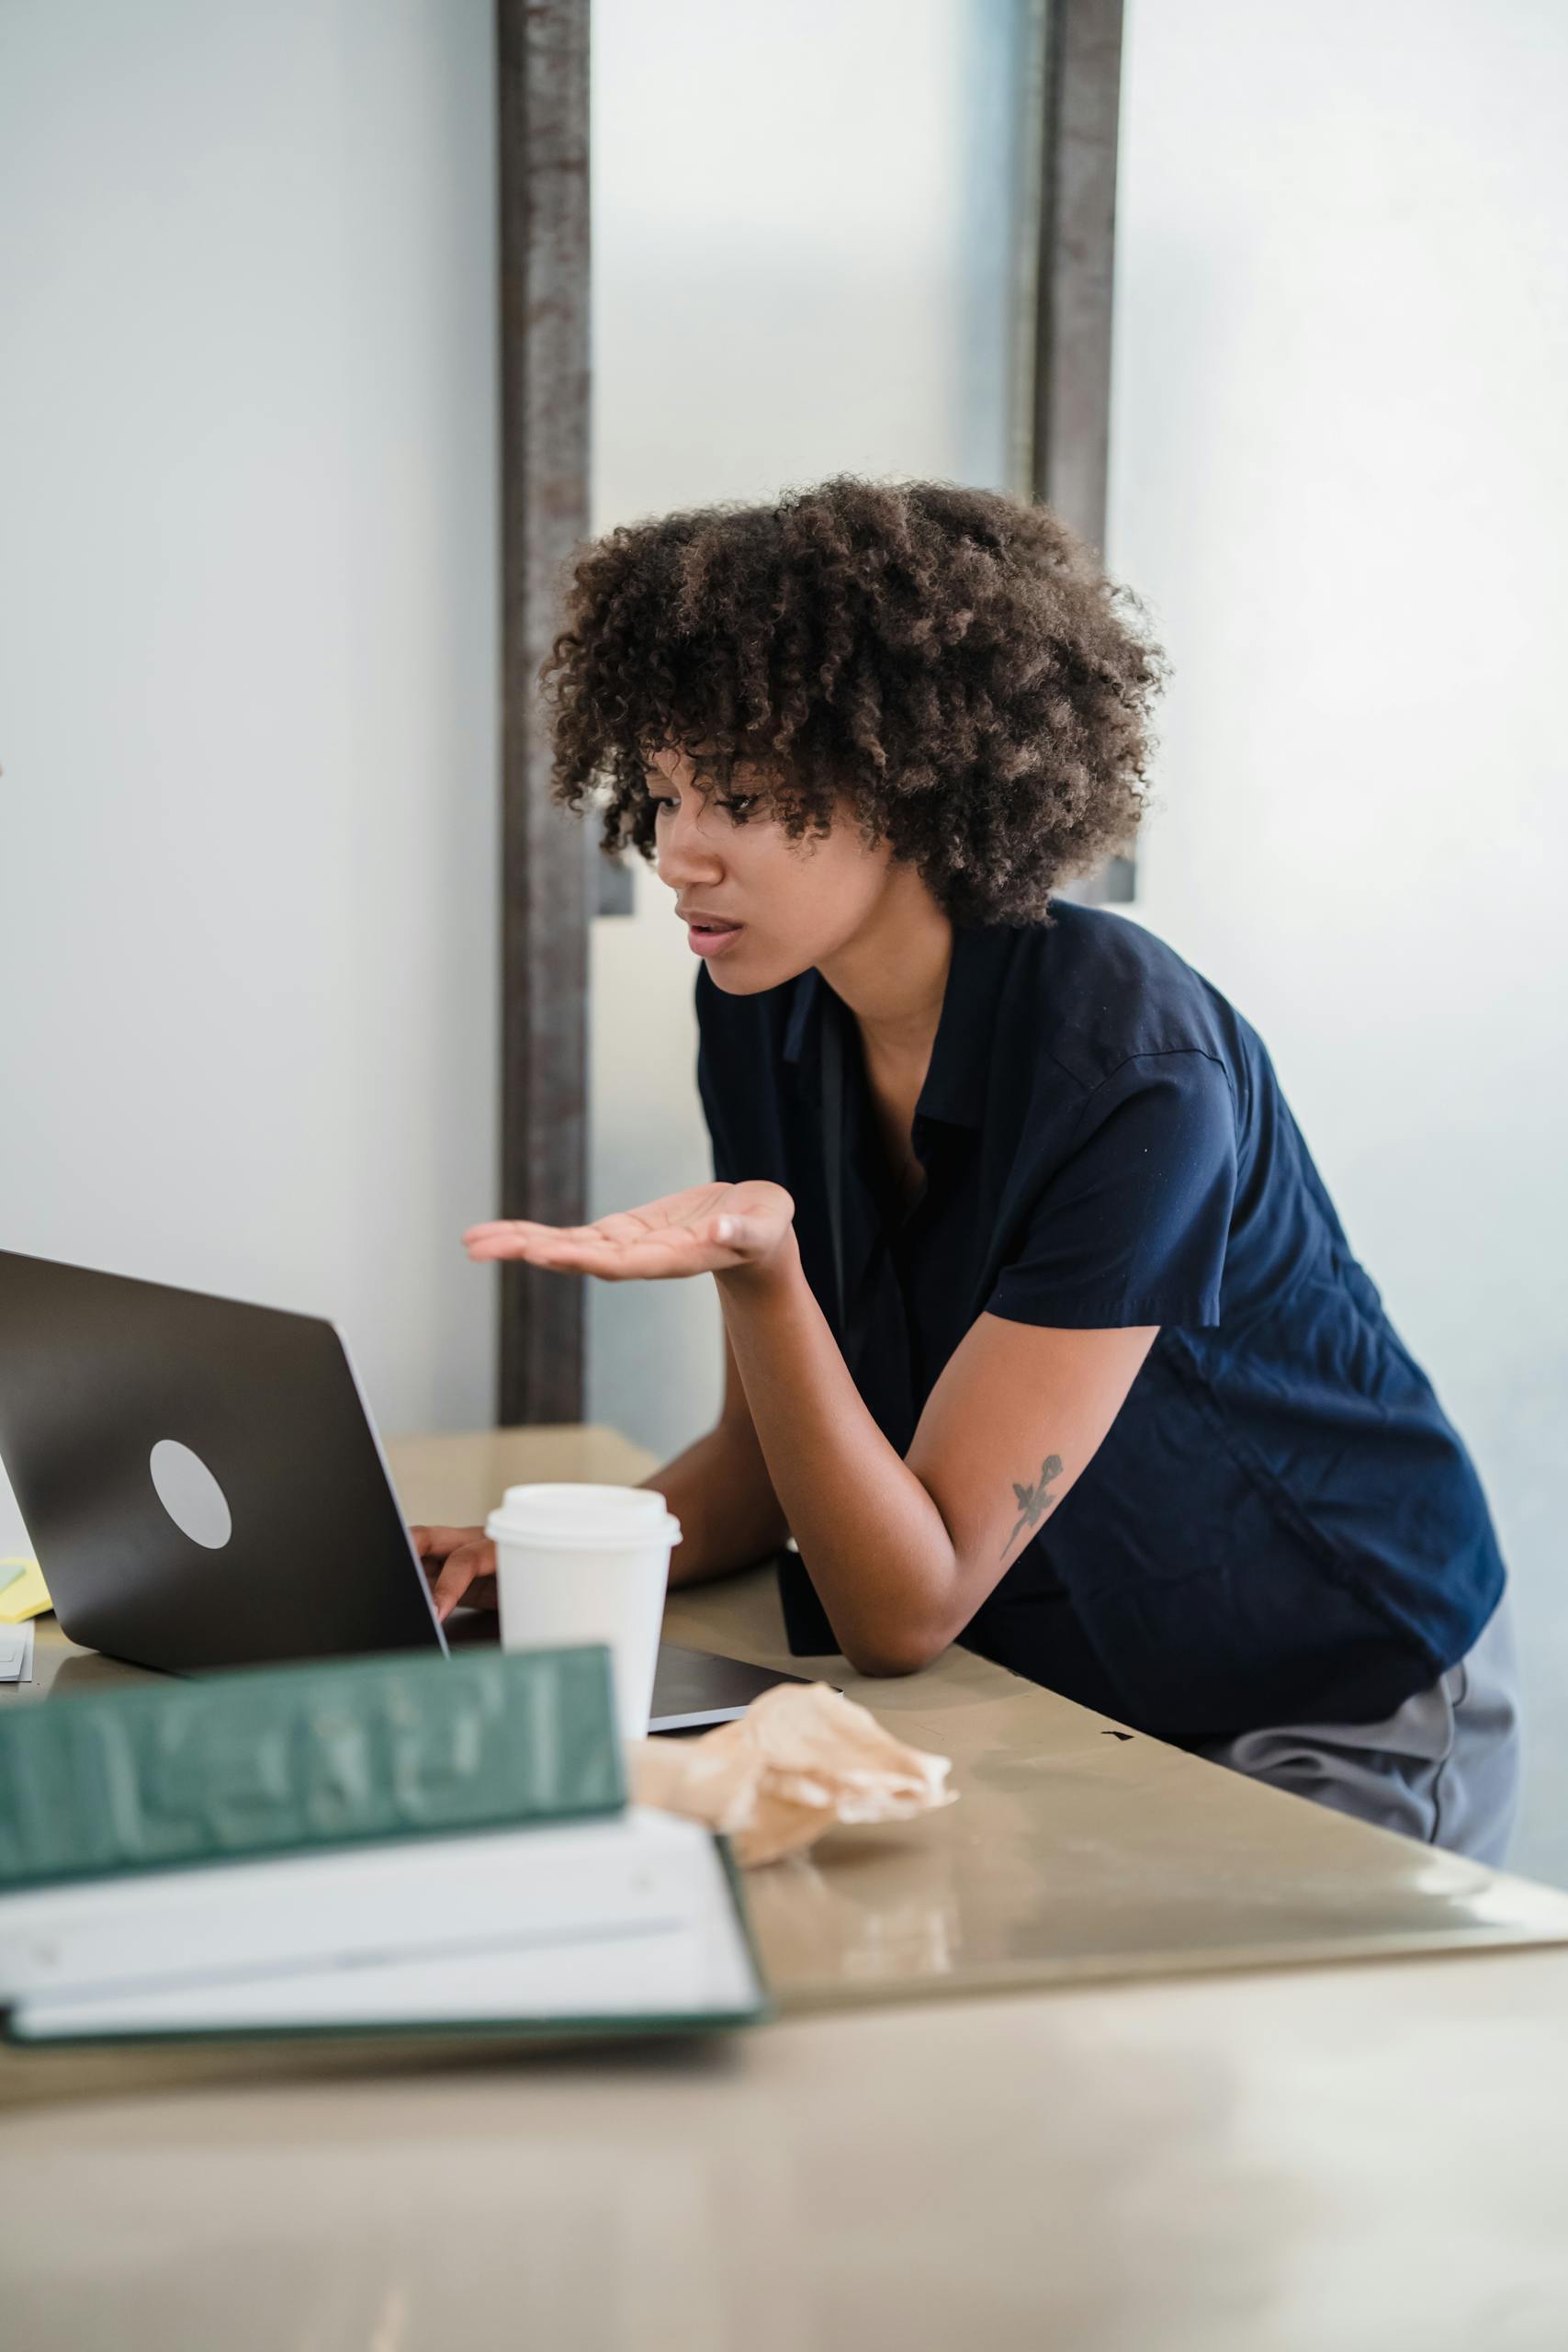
248,661
1339,476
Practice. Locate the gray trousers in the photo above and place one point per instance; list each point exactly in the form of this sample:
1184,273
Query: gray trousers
1443,1767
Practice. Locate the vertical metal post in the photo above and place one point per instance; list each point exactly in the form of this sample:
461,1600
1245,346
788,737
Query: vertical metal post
1077,242
543,83
1079,96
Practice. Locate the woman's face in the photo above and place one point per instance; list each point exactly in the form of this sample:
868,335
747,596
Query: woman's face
791,903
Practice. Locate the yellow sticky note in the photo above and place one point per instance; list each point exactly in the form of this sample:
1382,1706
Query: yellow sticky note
22,1595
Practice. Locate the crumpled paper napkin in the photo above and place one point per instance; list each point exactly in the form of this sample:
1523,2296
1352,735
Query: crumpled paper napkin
801,1758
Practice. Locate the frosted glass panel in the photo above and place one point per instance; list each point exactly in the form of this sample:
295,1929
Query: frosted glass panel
805,262
803,225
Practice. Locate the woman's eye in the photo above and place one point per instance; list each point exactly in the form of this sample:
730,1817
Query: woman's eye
734,803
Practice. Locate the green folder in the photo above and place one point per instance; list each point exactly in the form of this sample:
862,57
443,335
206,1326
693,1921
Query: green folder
288,1759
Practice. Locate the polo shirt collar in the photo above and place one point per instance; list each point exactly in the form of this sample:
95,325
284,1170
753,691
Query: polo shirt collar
955,1090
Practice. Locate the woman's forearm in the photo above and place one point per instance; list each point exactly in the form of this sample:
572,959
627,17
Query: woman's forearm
729,1517
880,1556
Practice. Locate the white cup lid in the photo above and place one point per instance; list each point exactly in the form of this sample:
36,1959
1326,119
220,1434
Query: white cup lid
579,1515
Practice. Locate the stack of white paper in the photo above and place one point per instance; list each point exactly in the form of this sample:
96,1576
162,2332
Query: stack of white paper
17,1653
633,1920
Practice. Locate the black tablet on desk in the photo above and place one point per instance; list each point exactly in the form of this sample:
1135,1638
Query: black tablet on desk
692,1690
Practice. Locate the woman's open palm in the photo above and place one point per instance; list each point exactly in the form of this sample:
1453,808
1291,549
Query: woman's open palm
706,1229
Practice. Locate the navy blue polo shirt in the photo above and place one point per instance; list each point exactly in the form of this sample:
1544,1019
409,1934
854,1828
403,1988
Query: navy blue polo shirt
1281,1524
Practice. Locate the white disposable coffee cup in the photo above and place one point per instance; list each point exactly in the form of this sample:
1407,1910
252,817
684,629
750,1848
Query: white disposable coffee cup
587,1564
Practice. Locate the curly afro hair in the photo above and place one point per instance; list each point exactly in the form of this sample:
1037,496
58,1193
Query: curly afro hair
950,665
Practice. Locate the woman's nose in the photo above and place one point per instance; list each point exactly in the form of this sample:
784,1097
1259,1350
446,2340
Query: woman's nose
684,855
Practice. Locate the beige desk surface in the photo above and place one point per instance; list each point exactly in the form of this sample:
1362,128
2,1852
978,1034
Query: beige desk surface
1072,1854
1329,2160
1272,2161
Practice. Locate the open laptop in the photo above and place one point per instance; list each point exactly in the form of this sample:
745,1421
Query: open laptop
204,1486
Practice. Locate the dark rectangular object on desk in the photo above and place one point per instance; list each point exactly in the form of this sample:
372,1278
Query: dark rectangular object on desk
807,1628
693,1691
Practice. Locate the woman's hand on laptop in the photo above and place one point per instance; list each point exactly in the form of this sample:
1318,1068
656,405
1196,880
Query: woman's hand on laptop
460,1563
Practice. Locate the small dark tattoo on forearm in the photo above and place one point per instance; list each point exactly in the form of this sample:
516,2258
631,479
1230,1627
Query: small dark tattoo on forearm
1033,1502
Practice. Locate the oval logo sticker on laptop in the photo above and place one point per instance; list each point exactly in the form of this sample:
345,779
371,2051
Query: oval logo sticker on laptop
190,1494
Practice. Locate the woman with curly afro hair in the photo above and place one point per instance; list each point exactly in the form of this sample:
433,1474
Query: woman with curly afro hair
1042,1333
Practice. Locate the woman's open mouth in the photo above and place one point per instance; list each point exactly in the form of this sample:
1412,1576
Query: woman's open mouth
712,938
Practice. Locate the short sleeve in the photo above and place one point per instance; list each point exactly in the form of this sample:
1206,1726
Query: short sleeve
1132,1227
